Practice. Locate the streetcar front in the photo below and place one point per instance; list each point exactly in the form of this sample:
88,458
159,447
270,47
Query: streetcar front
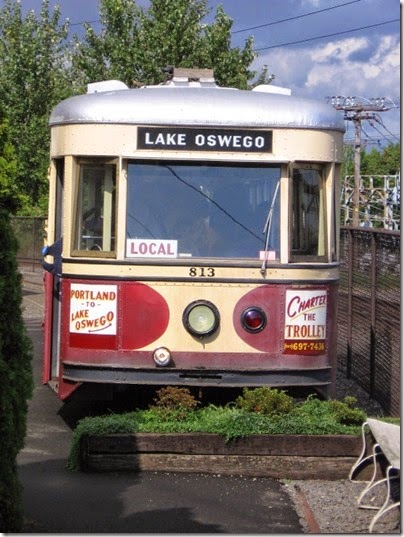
193,239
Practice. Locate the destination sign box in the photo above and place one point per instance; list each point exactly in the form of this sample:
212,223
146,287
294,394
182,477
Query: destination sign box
199,139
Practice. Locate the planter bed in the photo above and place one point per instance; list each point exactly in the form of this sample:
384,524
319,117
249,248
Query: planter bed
327,457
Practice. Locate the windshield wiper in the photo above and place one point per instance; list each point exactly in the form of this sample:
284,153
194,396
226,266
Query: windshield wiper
268,227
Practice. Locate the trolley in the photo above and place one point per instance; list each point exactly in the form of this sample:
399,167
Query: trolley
192,237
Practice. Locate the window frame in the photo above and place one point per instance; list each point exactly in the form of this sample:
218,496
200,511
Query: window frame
77,215
295,256
197,163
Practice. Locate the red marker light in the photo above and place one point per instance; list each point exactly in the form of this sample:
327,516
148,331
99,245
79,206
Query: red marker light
253,319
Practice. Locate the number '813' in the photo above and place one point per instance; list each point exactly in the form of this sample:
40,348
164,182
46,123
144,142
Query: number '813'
202,272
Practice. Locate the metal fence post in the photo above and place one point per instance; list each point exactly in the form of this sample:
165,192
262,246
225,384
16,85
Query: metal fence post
350,302
34,243
372,357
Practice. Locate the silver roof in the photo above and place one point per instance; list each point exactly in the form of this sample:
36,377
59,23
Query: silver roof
197,106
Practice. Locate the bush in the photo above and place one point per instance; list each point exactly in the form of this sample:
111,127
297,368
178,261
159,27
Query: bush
346,413
98,426
16,381
174,403
257,411
266,401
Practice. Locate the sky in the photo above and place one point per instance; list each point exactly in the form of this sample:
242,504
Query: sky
317,48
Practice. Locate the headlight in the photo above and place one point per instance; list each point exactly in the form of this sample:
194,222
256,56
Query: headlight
253,319
201,318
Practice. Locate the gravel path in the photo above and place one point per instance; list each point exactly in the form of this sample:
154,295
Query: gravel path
335,510
333,504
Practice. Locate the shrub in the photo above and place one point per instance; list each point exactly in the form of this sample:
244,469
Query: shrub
267,401
346,413
16,381
98,426
257,411
174,403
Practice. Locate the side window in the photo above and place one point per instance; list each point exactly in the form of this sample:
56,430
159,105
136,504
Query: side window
95,209
308,215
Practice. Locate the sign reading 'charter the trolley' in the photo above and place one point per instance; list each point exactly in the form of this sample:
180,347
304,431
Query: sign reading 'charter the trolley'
198,139
305,321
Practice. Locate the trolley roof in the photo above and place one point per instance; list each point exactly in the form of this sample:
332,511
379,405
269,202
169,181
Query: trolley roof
198,106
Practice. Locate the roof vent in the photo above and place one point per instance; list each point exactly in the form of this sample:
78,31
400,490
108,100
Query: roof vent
106,85
192,78
270,88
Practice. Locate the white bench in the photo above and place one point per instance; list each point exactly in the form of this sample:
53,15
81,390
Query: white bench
387,442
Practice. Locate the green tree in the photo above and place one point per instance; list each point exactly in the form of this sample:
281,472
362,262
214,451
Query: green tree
375,162
265,77
135,44
171,33
384,162
12,197
33,77
347,160
391,159
114,53
231,65
370,162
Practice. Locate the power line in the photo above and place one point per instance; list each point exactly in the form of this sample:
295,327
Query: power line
294,18
375,140
382,124
286,20
368,139
259,26
390,133
372,139
328,35
84,22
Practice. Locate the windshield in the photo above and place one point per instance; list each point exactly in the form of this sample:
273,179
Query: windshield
202,210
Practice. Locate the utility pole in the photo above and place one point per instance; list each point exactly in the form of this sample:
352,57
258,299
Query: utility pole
358,109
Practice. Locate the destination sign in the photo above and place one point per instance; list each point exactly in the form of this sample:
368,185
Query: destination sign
198,139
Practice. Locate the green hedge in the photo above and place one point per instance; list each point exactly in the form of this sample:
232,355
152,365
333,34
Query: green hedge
16,381
257,411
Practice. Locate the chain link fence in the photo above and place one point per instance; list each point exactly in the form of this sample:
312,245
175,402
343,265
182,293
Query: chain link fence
30,233
369,313
368,310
